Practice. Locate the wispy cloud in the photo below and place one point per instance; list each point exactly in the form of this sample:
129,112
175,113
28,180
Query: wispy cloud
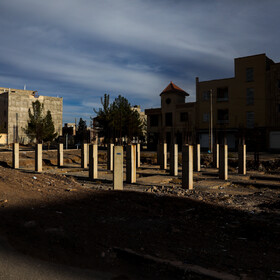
83,49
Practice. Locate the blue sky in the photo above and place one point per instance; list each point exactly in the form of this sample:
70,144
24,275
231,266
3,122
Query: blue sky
81,49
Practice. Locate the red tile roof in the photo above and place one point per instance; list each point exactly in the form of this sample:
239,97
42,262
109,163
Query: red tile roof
174,88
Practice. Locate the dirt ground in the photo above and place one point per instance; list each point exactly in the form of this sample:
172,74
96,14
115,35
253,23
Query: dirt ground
153,229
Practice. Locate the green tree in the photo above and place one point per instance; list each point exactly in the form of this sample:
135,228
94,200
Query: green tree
103,119
120,110
49,130
135,127
82,132
118,120
39,127
35,124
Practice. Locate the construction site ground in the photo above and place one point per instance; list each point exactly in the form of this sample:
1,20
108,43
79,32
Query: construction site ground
154,229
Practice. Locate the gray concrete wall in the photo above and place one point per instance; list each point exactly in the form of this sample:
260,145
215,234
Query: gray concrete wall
18,102
3,112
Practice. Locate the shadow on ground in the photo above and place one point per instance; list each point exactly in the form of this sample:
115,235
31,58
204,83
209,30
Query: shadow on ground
85,232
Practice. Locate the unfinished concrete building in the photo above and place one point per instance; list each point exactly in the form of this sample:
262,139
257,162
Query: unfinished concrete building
14,105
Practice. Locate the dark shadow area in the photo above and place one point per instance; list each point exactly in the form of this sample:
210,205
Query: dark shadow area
84,230
259,185
152,174
5,164
265,177
48,162
275,205
214,174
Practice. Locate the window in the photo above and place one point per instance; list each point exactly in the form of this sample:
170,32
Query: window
222,94
250,119
206,95
154,120
168,101
206,117
223,116
250,96
249,74
168,119
184,116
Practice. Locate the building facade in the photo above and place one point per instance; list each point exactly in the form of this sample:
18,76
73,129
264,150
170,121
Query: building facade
14,105
243,107
174,122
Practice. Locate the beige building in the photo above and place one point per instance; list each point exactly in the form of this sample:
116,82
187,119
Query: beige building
246,106
143,119
14,105
174,121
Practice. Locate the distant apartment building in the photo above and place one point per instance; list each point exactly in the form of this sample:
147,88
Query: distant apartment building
143,119
14,105
246,106
174,122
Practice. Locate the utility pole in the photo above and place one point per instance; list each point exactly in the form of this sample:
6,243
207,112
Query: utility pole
211,122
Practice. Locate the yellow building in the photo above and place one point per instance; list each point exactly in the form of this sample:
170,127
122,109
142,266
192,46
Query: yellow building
246,105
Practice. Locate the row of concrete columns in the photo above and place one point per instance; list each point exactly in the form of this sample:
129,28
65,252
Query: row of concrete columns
162,158
110,155
92,154
190,161
220,155
38,157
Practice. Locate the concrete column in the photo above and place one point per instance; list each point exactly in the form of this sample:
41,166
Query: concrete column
131,163
223,162
118,168
187,167
38,158
216,155
16,155
163,154
60,155
110,156
84,155
242,159
138,155
93,161
196,157
174,160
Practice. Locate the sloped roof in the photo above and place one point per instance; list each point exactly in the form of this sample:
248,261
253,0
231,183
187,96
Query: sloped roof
174,88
